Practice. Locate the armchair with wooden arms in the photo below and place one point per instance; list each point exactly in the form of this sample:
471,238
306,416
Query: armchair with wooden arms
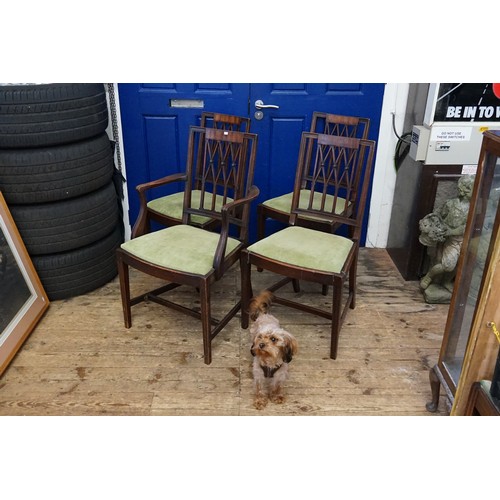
185,254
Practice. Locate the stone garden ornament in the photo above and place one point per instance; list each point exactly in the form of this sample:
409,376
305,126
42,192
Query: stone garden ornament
442,232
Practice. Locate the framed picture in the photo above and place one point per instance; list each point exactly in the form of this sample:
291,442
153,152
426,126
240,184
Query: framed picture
22,297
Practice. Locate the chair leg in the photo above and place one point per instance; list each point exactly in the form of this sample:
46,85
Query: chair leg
261,226
246,289
123,273
296,285
336,315
353,272
261,223
206,322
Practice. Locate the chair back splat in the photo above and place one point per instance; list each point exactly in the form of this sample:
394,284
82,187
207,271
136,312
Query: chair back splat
343,125
331,186
167,210
279,208
327,184
220,174
186,253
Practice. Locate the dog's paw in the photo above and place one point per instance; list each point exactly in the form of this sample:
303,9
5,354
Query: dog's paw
260,403
279,399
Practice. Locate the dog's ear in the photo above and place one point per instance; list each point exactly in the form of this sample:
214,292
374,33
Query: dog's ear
290,348
252,350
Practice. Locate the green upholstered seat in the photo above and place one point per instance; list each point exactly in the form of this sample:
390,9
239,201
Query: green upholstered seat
182,248
303,247
284,203
171,205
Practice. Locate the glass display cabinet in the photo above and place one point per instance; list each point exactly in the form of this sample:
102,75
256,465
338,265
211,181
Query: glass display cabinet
478,254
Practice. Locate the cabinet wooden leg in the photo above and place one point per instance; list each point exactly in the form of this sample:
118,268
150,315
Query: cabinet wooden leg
432,406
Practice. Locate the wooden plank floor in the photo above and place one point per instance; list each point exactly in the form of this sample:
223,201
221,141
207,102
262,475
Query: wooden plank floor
80,360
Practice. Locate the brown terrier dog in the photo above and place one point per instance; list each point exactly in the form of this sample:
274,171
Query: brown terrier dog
272,348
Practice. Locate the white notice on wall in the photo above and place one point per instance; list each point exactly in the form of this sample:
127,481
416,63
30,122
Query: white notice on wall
450,133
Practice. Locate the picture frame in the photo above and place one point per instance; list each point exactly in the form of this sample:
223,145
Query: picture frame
23,300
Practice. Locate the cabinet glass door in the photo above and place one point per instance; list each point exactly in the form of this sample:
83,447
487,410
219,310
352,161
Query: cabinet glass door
484,229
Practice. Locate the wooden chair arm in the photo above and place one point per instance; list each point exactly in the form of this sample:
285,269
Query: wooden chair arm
253,192
142,188
141,222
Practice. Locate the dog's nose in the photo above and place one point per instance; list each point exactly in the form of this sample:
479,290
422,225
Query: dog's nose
262,345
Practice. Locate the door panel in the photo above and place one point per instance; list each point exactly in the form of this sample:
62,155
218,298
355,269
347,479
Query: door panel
155,132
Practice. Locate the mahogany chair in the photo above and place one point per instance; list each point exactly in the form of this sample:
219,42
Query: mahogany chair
336,172
184,254
278,208
167,210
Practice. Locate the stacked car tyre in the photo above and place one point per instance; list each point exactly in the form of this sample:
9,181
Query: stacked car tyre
56,175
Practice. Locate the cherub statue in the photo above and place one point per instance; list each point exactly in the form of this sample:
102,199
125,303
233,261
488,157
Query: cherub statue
442,232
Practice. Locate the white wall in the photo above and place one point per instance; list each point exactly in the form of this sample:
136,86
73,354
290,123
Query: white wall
384,178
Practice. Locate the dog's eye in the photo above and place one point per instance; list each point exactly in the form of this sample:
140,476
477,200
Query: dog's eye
273,339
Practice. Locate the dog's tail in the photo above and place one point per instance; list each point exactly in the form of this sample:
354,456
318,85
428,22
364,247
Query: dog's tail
260,304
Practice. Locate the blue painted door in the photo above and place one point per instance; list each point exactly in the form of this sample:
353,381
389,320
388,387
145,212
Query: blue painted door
156,119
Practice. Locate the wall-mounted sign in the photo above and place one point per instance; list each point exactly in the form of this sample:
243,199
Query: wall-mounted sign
463,102
450,133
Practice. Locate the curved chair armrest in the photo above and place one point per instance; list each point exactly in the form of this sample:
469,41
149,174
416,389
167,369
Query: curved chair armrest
141,223
253,192
142,188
